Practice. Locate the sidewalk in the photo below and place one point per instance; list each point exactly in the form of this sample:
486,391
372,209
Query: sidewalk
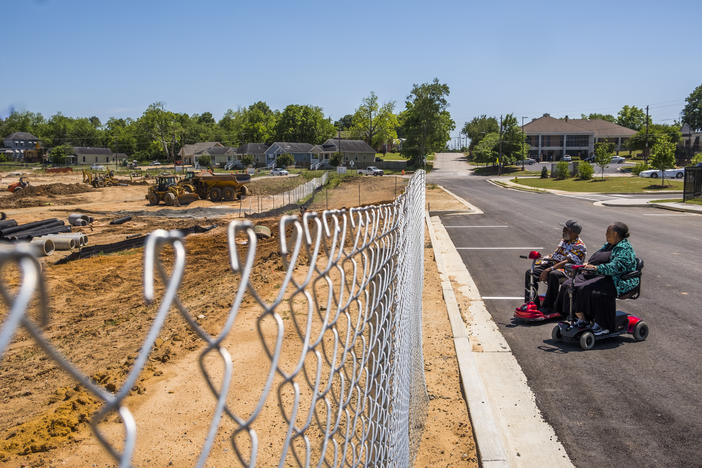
646,202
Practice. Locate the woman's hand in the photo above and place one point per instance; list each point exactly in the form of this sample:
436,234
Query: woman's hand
589,267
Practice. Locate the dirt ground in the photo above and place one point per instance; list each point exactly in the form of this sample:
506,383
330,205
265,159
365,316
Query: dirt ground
99,321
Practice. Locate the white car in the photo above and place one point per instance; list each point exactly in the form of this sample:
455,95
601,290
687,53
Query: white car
155,163
279,171
371,170
96,167
618,159
567,158
669,173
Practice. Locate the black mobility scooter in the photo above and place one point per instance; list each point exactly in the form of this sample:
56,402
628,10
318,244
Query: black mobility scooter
568,331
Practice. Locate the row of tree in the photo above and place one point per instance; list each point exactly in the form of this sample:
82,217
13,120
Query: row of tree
425,124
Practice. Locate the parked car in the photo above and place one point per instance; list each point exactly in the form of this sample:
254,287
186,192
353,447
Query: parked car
699,164
322,166
97,167
669,173
155,163
527,161
234,164
371,170
279,171
590,159
378,159
618,159
567,158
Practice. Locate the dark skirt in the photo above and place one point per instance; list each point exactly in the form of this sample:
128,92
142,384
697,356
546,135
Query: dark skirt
593,296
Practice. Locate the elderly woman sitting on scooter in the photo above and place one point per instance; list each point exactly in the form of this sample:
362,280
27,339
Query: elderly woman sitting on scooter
571,249
597,287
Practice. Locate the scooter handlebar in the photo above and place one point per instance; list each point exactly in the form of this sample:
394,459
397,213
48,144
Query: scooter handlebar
523,256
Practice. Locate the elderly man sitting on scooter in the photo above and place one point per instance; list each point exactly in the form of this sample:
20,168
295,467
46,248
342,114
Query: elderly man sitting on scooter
571,249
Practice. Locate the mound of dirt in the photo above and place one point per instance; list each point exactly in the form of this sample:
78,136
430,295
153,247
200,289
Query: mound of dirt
52,189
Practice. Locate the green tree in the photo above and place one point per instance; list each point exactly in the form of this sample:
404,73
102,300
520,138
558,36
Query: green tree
59,153
656,133
632,117
344,123
663,157
335,159
692,112
163,128
300,123
21,122
595,116
603,155
121,136
478,127
486,150
513,140
426,122
284,160
373,122
258,124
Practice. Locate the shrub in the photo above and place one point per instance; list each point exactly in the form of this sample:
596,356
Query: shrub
638,167
284,160
335,159
204,160
562,170
247,160
697,158
585,170
544,173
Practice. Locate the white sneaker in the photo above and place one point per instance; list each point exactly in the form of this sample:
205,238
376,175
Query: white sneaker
598,330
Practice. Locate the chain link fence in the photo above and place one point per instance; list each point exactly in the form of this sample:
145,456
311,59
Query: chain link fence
264,203
353,394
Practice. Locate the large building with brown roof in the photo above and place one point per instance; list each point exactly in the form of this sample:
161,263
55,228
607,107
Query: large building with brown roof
550,139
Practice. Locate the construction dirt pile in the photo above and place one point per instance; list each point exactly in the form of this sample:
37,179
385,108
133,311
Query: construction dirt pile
52,189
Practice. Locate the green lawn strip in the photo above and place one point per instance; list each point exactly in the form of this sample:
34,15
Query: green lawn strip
609,185
391,156
696,201
492,170
677,200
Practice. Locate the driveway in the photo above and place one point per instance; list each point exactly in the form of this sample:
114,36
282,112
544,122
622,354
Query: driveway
622,403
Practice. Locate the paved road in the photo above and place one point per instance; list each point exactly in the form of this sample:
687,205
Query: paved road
623,403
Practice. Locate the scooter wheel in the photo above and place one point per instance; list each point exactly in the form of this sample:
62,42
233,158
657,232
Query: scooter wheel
587,340
556,334
641,331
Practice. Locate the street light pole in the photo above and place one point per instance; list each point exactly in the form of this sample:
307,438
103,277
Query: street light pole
523,146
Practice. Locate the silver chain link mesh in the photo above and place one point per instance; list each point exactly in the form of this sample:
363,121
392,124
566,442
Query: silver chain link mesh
359,376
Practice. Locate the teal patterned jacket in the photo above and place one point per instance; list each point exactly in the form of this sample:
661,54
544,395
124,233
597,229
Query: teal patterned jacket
623,260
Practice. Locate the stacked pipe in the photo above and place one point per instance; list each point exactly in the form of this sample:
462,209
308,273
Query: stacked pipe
77,219
30,230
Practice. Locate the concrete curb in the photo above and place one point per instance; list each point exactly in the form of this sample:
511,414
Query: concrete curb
526,188
487,438
508,426
474,209
675,207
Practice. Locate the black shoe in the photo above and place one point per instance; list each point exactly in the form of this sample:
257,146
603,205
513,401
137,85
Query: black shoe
546,310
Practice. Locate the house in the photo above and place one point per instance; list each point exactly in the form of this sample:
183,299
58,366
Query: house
19,143
91,155
187,152
550,139
691,140
219,155
354,153
300,151
256,151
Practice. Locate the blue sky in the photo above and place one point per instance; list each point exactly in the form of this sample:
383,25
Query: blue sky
115,58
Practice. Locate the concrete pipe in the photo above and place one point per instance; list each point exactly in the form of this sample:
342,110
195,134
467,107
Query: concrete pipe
80,238
77,219
44,247
63,243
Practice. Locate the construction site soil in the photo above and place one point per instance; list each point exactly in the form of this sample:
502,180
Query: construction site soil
99,320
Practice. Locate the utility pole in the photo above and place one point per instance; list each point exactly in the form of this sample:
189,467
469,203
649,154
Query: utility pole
646,149
499,159
523,146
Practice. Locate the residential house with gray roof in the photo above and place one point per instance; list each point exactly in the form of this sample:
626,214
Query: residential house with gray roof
219,155
19,143
256,151
354,153
300,151
92,155
187,152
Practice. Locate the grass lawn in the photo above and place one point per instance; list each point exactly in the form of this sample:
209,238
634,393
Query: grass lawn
391,156
609,185
492,170
696,201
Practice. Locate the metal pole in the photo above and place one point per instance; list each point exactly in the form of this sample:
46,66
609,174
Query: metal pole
499,161
359,193
646,149
395,186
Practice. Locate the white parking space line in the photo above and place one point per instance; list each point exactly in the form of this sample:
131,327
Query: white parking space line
671,214
462,227
499,248
502,298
